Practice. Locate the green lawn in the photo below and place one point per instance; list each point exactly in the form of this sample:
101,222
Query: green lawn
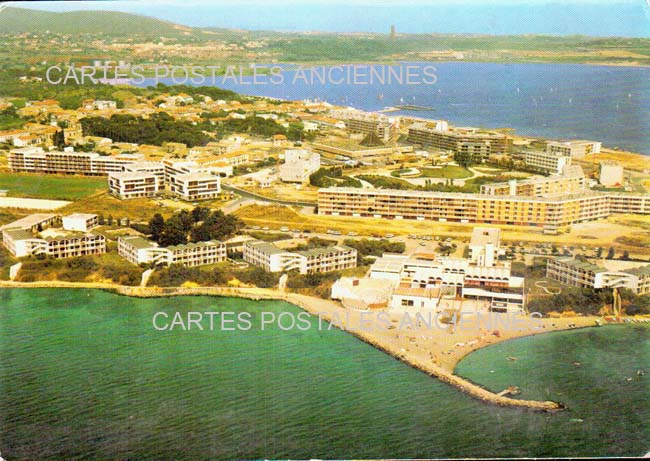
449,171
51,187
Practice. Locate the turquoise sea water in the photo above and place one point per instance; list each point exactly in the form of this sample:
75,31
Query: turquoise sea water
84,375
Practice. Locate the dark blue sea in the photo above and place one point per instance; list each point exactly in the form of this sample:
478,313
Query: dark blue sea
561,101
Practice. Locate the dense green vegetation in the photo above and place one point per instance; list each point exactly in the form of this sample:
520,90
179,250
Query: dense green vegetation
199,225
263,127
176,275
366,247
17,20
9,119
328,177
157,129
50,186
79,269
581,300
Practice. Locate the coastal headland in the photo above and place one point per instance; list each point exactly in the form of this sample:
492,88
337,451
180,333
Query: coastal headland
435,352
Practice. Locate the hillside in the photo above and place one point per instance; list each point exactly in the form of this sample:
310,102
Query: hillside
20,20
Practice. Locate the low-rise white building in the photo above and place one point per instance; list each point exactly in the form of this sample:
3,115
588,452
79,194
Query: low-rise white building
138,250
610,174
80,222
546,162
570,271
273,259
298,165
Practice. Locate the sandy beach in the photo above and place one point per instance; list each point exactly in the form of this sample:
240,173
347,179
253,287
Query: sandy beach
431,347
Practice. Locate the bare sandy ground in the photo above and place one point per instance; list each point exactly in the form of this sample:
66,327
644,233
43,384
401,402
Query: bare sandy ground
31,203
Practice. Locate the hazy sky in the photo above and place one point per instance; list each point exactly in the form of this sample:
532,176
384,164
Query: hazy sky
588,17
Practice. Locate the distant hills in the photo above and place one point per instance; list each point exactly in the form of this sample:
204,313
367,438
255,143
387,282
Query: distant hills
18,20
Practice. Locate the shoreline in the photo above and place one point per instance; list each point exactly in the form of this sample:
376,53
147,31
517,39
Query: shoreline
437,356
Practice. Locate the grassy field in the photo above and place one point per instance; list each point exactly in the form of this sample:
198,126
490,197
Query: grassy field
449,171
105,204
51,187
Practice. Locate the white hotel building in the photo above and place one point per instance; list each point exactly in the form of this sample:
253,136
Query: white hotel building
138,250
426,282
273,259
22,238
36,160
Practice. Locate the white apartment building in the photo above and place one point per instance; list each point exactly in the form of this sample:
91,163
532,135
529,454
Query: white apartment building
610,174
23,242
356,121
155,168
570,271
134,184
36,160
80,222
298,165
573,149
195,186
138,250
273,259
546,162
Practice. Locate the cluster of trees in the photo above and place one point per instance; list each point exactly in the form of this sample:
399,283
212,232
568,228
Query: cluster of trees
199,225
157,129
366,247
9,119
197,91
78,270
328,177
177,274
581,300
314,242
264,127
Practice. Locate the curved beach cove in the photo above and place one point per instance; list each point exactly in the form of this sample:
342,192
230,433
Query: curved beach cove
83,373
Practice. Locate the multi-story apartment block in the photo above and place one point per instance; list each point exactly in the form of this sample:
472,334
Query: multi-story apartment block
356,121
298,165
273,259
574,272
22,238
138,250
484,246
551,213
472,141
134,184
35,160
195,186
155,168
573,149
545,162
571,181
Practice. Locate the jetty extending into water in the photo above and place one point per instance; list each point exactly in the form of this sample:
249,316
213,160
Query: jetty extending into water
422,355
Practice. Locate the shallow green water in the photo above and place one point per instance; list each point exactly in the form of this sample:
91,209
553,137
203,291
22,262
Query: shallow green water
83,374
